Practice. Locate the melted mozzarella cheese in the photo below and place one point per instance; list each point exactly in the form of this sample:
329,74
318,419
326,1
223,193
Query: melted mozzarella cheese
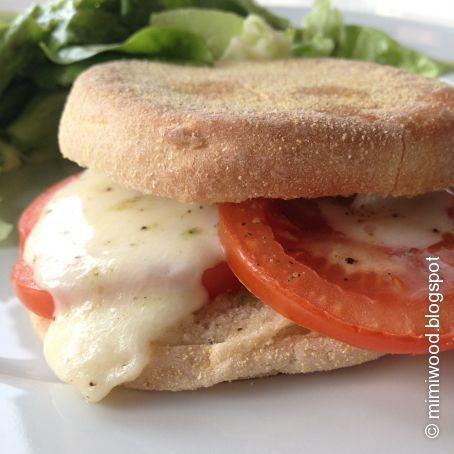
122,268
392,222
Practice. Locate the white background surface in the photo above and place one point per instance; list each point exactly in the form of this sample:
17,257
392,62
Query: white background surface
375,408
438,11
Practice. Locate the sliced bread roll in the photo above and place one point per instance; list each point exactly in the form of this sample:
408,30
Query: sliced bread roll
280,129
235,337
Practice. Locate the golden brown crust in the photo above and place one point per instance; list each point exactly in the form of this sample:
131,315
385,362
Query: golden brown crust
236,337
293,128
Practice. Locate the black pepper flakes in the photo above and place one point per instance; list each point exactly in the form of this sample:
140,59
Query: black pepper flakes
350,261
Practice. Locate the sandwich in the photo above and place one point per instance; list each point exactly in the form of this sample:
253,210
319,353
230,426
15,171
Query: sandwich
244,220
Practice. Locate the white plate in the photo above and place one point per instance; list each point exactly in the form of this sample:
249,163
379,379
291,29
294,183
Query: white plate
374,408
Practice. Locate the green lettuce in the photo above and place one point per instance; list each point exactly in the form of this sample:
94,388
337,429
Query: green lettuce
18,46
216,27
34,131
5,230
324,34
228,35
370,44
152,42
258,41
240,7
9,156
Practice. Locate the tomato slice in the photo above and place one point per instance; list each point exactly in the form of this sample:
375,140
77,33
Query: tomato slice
365,294
31,214
38,301
217,280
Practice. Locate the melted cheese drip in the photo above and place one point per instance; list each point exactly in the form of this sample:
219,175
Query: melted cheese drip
392,222
122,268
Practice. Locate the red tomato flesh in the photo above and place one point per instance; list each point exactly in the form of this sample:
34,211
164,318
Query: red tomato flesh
216,280
287,254
38,301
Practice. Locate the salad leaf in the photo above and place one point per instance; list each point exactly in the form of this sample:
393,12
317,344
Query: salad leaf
5,230
68,23
9,157
258,41
34,131
168,44
18,46
323,33
164,43
89,27
370,44
241,7
216,27
250,7
52,77
321,30
228,35
14,100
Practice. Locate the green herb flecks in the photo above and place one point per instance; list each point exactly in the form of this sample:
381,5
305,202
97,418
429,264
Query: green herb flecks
187,234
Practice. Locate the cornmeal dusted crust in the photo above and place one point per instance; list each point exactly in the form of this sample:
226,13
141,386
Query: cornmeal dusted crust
290,128
236,337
